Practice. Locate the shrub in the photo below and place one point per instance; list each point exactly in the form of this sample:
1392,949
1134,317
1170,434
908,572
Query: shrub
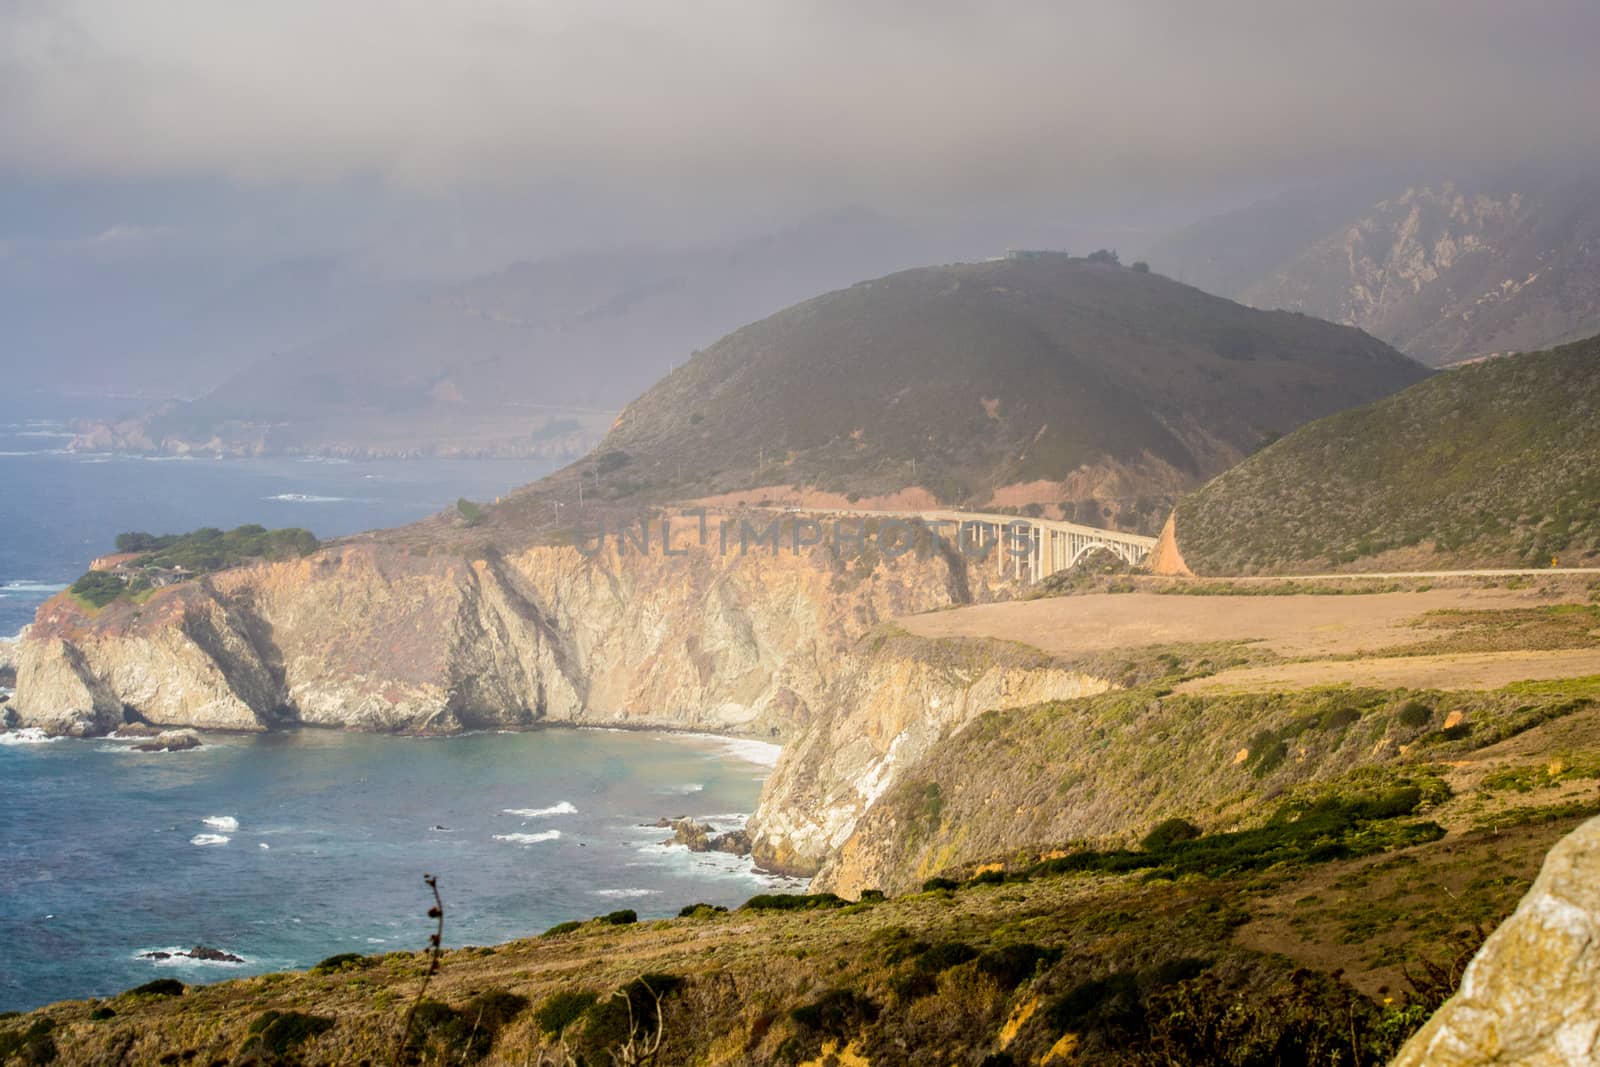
1415,714
561,1010
935,884
276,1033
701,911
837,1013
794,901
634,1005
444,1034
624,917
945,955
871,896
161,987
614,460
344,961
98,588
1011,965
471,514
563,928
1169,832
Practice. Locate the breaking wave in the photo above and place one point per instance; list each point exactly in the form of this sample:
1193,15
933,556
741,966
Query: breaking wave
563,808
528,839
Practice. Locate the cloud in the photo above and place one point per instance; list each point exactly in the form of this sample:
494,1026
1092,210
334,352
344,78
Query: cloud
935,99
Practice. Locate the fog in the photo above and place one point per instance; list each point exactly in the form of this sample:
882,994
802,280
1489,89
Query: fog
425,140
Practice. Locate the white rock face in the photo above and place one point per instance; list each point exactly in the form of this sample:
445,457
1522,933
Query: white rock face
1531,996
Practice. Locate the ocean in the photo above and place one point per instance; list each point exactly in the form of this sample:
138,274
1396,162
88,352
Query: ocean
287,848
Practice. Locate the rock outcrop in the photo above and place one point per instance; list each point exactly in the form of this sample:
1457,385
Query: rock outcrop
1531,996
377,635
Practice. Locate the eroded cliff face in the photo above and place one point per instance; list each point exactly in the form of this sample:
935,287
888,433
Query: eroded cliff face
396,637
894,702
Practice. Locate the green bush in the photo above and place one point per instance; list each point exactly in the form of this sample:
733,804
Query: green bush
1169,832
837,1013
625,917
945,955
1011,965
344,961
276,1032
1414,714
561,1010
471,514
98,588
161,987
563,928
987,878
607,1022
701,911
935,884
442,1034
793,901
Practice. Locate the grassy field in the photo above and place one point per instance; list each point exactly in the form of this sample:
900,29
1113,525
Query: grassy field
1306,958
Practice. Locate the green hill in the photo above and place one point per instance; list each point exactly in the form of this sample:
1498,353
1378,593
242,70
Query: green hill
1493,464
1089,389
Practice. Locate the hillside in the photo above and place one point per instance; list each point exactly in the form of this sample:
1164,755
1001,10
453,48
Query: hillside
1082,388
532,360
1493,464
1444,270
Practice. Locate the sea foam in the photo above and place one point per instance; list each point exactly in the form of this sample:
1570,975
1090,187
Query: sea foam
221,822
209,839
528,839
563,808
28,735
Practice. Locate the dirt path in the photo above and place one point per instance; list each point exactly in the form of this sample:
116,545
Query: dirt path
1462,670
1293,626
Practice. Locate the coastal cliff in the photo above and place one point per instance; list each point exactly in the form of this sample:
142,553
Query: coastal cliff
385,635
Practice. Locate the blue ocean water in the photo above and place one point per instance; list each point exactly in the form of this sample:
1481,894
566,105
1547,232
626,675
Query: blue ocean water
288,848
106,853
59,510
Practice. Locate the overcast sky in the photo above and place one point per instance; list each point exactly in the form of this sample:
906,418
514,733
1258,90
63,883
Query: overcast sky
650,107
455,135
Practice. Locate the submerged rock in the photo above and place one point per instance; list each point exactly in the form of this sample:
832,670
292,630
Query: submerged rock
170,741
215,955
701,837
199,952
1532,994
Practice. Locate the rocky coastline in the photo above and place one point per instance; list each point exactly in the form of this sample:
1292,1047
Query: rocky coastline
390,635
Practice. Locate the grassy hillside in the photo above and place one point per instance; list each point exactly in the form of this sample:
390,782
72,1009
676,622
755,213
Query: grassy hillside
1497,463
1326,934
1121,385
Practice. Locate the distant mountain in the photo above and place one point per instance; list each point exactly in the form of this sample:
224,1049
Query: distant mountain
1492,464
537,358
1062,385
1445,271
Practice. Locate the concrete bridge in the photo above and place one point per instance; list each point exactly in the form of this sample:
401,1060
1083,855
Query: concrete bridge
1032,549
